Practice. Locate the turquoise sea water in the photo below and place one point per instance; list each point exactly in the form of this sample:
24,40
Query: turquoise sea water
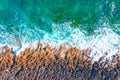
80,21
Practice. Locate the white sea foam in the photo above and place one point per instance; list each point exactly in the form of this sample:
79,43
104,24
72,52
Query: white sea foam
103,40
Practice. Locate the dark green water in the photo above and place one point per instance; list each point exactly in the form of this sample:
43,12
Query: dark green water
42,13
32,20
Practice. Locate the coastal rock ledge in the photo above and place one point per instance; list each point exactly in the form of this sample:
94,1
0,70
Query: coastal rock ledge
45,63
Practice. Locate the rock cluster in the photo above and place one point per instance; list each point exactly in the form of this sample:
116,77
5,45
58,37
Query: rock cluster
46,63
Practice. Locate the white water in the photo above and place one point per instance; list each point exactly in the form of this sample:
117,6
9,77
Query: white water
103,40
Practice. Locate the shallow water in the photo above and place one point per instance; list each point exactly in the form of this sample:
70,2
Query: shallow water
79,23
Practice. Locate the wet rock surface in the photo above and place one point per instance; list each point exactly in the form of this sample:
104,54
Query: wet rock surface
46,63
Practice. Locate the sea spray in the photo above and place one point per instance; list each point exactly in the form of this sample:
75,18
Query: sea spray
103,40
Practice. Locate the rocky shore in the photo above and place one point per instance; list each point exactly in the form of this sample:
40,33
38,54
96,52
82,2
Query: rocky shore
46,63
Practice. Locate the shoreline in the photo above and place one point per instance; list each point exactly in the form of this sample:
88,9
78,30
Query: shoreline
46,63
98,49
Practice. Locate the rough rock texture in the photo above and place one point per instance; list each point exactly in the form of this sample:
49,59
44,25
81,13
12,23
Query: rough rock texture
56,64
